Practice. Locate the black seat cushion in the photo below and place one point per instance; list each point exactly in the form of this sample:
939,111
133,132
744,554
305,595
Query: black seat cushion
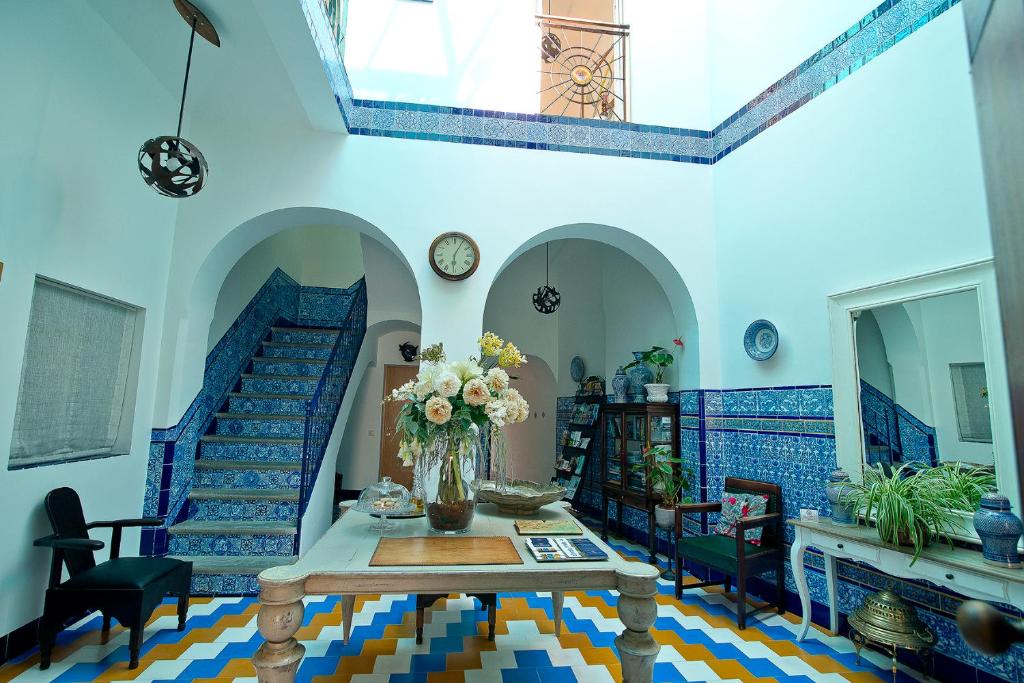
125,572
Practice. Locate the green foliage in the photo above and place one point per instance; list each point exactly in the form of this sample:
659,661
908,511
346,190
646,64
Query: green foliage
660,468
658,358
908,505
965,484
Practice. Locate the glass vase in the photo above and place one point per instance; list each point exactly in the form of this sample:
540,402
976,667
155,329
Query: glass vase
418,493
450,510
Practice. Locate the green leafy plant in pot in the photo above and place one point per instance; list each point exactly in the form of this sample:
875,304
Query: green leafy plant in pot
908,506
669,477
659,359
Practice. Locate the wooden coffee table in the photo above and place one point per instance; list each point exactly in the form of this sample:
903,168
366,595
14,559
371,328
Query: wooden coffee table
339,564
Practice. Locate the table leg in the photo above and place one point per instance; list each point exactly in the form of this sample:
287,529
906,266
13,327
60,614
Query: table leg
557,598
280,616
637,608
833,593
796,560
348,603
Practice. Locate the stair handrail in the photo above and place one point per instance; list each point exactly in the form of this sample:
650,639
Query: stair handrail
323,406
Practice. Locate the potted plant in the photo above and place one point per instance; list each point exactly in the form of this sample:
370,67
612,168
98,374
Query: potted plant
669,477
907,506
658,359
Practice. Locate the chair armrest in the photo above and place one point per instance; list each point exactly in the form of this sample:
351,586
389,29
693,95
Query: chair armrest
745,523
693,508
145,521
56,542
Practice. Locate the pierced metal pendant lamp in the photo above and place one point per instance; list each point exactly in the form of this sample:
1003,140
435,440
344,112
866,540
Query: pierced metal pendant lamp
547,299
170,164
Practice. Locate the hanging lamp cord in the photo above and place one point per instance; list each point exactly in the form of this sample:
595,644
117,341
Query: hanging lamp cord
188,67
547,263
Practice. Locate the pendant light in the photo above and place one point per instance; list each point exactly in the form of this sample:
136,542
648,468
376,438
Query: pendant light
547,299
172,165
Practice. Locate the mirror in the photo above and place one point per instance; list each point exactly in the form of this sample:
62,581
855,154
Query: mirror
924,393
919,374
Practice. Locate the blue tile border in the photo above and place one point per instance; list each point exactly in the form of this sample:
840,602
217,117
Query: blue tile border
879,30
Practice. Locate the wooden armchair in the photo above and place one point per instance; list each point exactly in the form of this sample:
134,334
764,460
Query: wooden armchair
736,557
128,589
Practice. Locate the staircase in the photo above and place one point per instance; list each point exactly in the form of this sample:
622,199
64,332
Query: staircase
247,493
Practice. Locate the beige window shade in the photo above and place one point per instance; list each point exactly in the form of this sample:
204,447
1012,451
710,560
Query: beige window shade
78,363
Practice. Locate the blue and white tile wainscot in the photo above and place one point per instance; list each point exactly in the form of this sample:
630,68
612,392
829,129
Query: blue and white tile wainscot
786,435
878,31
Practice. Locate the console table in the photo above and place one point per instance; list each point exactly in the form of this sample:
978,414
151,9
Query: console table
339,564
959,569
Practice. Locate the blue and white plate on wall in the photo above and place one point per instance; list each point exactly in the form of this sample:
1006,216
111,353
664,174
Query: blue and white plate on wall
576,369
761,340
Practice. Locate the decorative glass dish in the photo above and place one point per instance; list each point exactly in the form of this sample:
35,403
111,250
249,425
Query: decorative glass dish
383,499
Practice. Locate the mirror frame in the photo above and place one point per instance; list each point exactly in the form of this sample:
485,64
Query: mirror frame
976,275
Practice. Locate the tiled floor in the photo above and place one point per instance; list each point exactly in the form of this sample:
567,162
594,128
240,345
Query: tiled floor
699,640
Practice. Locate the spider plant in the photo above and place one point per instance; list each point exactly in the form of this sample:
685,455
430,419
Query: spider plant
965,484
909,505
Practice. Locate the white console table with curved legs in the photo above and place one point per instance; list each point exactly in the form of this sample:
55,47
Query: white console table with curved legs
339,564
961,570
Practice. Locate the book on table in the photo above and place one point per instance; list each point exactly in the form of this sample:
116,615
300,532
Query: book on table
545,549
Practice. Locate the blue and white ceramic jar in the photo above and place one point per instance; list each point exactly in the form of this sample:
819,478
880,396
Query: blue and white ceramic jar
639,375
999,530
620,385
844,512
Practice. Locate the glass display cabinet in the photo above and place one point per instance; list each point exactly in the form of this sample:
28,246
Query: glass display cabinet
630,429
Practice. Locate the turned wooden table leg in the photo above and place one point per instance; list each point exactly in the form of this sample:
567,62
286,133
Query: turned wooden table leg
277,659
348,603
638,586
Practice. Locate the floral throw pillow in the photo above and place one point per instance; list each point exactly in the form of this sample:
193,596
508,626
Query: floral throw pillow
735,506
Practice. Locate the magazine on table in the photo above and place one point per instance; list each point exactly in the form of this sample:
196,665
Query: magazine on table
547,549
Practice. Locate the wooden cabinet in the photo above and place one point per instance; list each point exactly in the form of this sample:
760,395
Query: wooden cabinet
629,430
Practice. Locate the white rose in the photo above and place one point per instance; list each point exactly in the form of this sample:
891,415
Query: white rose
497,380
447,384
475,392
439,410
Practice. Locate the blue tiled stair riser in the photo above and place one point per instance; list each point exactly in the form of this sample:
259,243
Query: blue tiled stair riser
878,31
282,367
257,426
300,336
279,350
268,384
239,509
267,406
253,452
225,584
236,545
264,478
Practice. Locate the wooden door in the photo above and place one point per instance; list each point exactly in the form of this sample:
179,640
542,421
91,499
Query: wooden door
390,464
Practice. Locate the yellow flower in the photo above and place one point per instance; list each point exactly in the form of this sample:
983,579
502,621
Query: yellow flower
510,356
490,344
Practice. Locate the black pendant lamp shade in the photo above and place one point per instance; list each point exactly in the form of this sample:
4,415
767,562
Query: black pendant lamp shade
170,164
547,299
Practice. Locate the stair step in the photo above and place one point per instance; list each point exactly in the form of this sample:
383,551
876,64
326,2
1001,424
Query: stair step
194,527
248,375
279,397
259,416
280,384
248,404
283,359
203,464
296,350
218,564
304,335
297,345
244,494
230,438
288,367
261,428
311,330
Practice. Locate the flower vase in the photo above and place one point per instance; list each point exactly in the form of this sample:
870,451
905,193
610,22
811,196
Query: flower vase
450,510
657,393
639,375
418,493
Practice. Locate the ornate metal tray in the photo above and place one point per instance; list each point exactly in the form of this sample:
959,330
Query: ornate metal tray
519,497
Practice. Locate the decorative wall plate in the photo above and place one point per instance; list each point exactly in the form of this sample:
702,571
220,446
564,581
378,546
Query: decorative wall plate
576,369
761,340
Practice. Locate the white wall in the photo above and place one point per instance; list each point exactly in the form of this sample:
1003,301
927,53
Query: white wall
315,256
952,334
872,359
485,54
904,348
359,454
852,189
73,208
530,442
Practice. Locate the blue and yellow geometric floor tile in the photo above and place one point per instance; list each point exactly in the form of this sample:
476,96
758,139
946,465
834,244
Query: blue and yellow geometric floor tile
698,635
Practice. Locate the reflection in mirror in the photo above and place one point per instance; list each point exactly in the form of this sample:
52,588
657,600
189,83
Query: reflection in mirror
923,385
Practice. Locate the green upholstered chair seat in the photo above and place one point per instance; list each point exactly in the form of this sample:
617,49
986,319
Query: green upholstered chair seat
714,551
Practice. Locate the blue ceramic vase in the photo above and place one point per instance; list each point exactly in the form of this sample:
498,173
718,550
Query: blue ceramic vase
844,512
999,530
620,385
639,375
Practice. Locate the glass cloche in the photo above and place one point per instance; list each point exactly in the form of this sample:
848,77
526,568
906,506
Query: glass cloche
384,498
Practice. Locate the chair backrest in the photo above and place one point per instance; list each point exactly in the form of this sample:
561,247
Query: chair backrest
64,508
770,536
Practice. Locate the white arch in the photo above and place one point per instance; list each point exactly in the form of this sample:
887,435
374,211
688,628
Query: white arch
184,341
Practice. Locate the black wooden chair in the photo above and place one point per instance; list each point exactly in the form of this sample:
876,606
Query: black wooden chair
735,557
128,588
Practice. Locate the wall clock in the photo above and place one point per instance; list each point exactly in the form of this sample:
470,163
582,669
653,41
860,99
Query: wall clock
454,256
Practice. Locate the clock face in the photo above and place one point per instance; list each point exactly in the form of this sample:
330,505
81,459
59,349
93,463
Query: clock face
454,256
